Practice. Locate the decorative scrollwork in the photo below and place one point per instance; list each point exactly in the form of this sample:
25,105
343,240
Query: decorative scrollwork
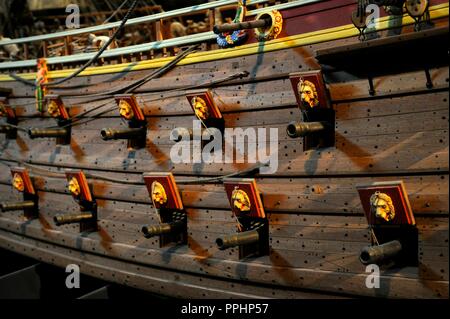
274,30
228,40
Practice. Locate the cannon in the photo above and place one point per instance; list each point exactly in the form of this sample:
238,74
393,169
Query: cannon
238,239
381,253
55,132
302,129
132,133
167,228
6,129
63,219
12,206
231,27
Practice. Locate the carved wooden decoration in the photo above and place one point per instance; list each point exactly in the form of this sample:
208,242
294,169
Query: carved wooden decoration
163,190
5,109
78,186
56,108
244,198
310,90
129,108
166,198
386,203
202,103
21,180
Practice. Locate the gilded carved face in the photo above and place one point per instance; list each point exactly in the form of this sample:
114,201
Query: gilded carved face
18,182
240,200
308,93
159,193
200,108
53,109
74,187
382,206
125,110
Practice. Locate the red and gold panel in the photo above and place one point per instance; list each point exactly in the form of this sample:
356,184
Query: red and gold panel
5,109
129,108
202,103
78,185
56,108
163,190
386,203
310,90
21,180
244,197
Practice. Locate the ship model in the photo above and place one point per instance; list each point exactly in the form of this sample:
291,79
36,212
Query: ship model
299,150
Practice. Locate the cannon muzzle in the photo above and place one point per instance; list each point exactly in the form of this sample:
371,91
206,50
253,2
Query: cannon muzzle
231,27
379,254
56,132
112,134
6,129
63,219
302,129
7,207
168,228
238,239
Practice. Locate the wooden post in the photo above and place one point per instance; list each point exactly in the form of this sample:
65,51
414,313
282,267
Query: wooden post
44,49
68,45
159,34
26,52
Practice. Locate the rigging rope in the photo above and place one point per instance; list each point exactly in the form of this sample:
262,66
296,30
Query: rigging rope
115,12
53,174
77,120
91,61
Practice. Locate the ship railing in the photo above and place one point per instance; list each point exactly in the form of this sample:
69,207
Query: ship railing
137,52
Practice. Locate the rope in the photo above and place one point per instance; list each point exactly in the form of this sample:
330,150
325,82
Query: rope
91,61
115,12
52,174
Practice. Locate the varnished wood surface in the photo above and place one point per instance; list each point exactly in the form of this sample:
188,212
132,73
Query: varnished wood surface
317,226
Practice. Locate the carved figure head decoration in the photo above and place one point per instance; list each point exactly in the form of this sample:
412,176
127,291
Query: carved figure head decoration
159,193
240,200
74,187
308,93
200,108
382,207
53,109
126,110
18,182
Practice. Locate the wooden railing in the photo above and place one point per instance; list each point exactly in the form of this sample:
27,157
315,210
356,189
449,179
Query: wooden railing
159,44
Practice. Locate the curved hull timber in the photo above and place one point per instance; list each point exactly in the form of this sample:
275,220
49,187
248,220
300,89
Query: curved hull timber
317,224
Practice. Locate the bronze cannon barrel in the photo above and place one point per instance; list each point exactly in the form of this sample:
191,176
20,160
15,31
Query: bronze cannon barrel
55,132
231,27
379,254
63,219
238,239
112,134
5,129
302,129
155,230
6,207
177,135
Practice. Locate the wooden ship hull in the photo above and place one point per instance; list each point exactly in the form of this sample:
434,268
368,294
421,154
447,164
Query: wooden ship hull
389,126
